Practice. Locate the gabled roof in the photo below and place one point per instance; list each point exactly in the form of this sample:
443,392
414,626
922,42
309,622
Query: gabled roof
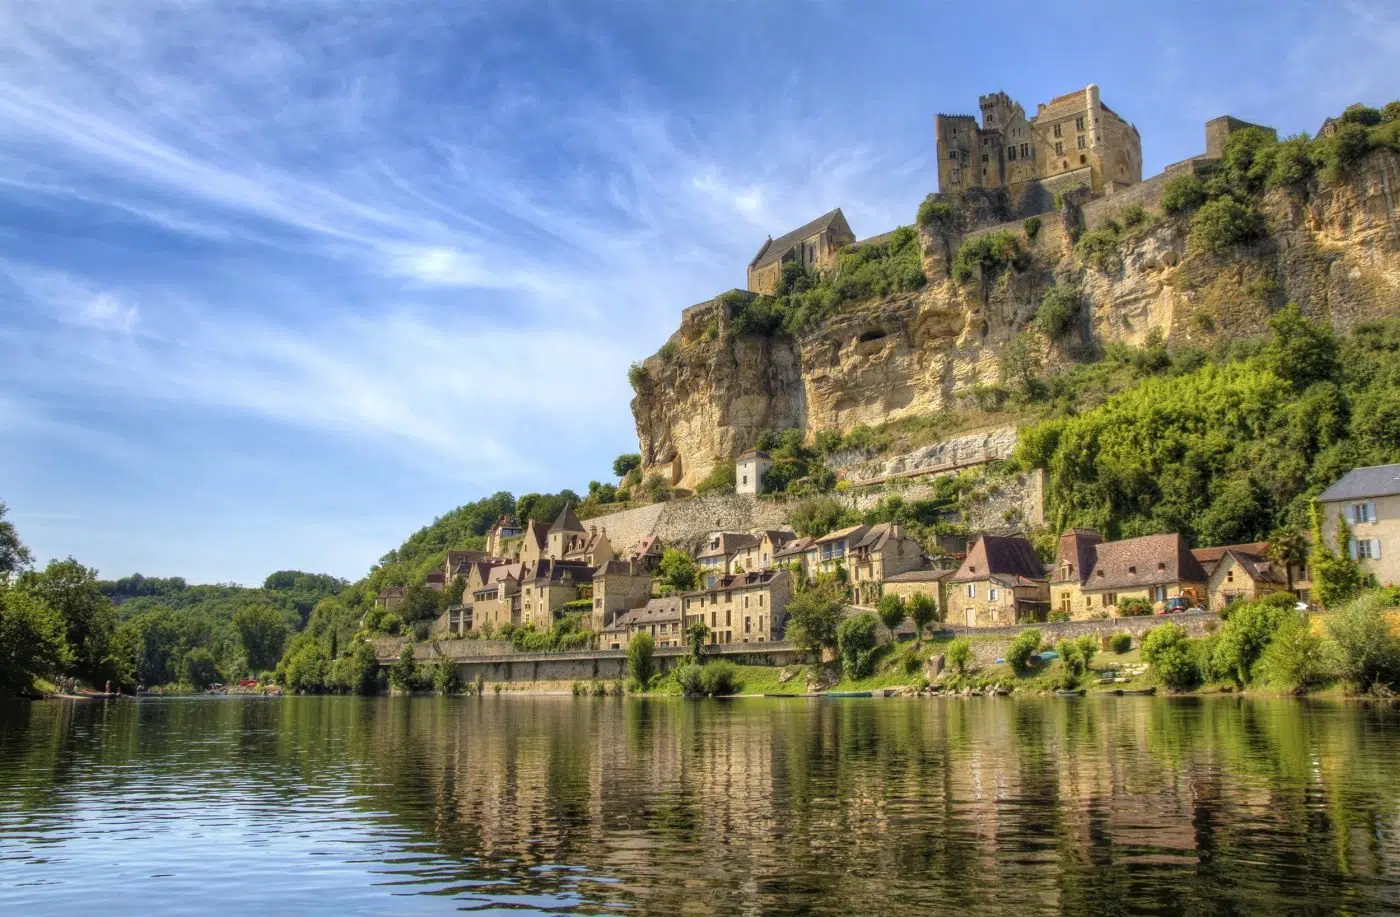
855,533
1209,557
1364,483
1256,567
457,556
794,547
648,545
560,571
1075,555
732,581
1151,560
567,521
1000,555
880,535
537,531
919,576
774,249
754,454
729,542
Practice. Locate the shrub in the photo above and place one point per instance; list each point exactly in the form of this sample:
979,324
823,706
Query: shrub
1183,194
1032,227
1099,247
720,479
687,675
1059,616
445,679
668,351
401,673
1168,651
1296,657
1019,655
1134,608
1134,216
936,215
640,662
1059,308
892,612
993,252
637,375
1368,654
1120,643
625,463
924,610
1245,635
1224,223
720,678
855,640
959,654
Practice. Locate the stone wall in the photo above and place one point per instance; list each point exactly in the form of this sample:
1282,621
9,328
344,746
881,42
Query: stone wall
629,526
986,652
964,451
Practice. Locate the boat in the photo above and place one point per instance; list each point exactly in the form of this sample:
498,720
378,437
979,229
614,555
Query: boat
1128,692
849,694
795,695
1068,692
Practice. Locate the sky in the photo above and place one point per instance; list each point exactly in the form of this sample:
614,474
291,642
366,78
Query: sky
283,280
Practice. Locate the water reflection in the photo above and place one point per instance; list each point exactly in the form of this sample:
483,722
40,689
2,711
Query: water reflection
547,805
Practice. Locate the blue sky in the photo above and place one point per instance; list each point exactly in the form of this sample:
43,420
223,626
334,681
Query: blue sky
282,281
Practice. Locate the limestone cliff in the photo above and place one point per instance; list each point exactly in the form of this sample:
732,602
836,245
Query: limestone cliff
1333,249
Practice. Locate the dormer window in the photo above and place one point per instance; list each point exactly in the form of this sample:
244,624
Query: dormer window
972,569
1161,565
1099,572
1132,569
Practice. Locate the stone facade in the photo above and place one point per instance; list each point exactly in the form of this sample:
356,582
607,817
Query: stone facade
1093,578
749,470
1001,582
884,551
1072,136
618,587
741,608
814,245
1369,500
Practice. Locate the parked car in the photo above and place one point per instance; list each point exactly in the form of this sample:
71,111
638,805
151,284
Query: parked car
1175,604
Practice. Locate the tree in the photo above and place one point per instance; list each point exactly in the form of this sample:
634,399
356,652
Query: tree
31,639
403,672
1300,350
677,570
1368,653
892,613
1288,548
640,662
924,610
263,632
1167,649
1022,649
445,679
198,669
625,463
814,615
1223,223
959,654
14,556
1246,634
1336,578
697,635
89,622
1295,657
855,639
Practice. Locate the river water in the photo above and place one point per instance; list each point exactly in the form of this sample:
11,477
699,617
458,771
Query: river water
544,805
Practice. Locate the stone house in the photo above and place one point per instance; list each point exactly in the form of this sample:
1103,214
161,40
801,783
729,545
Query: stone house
794,555
649,551
592,547
497,601
749,470
534,543
659,617
815,245
389,597
1001,582
884,551
545,589
831,551
760,554
435,580
1074,140
1092,577
1237,575
562,533
618,587
741,607
1369,500
716,555
931,583
503,533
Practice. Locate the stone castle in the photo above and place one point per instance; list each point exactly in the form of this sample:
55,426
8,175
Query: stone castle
1073,141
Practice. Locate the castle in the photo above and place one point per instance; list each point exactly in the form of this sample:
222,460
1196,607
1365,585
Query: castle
1074,141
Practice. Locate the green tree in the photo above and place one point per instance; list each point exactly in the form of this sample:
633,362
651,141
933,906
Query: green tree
892,613
1221,224
855,640
697,635
677,570
306,667
31,639
1336,578
1246,634
263,632
403,673
89,622
814,615
1295,658
14,556
1183,194
959,654
641,664
1300,350
198,669
625,463
445,680
1167,649
1368,653
1022,650
924,610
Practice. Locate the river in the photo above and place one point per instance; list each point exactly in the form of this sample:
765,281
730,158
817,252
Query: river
543,805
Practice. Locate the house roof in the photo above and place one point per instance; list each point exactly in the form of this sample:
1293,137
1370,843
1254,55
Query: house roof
879,535
728,543
1209,557
506,521
559,571
1257,568
774,249
1364,483
777,536
1075,555
732,581
537,531
754,454
855,533
1004,555
920,576
647,545
1151,560
567,521
457,556
621,568
794,547
655,611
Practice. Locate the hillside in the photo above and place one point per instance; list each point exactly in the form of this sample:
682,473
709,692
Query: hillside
958,312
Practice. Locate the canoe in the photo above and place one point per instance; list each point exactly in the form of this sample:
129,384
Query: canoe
849,694
1076,693
794,695
1128,692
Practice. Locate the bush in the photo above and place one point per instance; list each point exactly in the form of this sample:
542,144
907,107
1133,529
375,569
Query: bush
1245,635
720,678
637,376
1019,655
892,613
1224,223
1059,308
1032,227
936,215
1059,616
721,479
1183,194
640,661
625,463
1296,657
1134,608
959,654
445,680
1368,654
993,252
1120,643
1099,247
687,675
1168,651
1134,216
855,639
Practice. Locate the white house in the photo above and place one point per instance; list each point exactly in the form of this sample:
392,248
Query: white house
749,470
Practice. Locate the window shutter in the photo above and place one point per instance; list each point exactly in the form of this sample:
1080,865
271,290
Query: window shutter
1376,548
1351,514
1371,510
1352,549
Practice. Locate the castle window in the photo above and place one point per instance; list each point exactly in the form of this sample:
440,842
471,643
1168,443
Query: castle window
1079,123
1011,153
1025,151
1082,160
1059,148
955,176
952,154
1057,131
984,157
1081,141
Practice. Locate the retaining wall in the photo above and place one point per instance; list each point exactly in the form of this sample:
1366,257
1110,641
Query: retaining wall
987,651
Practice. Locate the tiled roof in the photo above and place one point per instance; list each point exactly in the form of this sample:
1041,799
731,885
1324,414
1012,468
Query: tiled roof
794,547
728,543
774,249
1209,556
855,533
567,521
1364,483
754,454
732,581
1258,569
536,531
1005,555
1151,560
1074,555
919,576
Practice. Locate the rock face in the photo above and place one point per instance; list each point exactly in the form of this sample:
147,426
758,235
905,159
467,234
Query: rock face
1334,250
